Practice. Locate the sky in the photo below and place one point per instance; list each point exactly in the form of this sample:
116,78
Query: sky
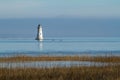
58,8
82,18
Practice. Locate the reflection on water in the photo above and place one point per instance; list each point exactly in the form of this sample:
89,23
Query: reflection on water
49,64
40,45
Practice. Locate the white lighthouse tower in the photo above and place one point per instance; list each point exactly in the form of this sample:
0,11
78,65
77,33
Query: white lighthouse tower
39,33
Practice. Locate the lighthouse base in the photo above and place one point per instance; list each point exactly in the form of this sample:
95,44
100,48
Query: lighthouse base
39,39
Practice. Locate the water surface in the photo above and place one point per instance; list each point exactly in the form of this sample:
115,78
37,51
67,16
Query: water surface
60,46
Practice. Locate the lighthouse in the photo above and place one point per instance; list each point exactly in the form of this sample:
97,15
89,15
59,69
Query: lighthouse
39,33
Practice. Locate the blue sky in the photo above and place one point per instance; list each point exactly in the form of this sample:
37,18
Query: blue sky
58,8
82,18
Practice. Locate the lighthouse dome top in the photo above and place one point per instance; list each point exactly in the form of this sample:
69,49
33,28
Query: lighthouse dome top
39,26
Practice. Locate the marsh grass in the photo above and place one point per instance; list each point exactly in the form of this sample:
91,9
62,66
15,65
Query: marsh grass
111,72
108,72
115,59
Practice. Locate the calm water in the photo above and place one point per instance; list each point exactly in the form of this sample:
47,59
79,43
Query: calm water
60,46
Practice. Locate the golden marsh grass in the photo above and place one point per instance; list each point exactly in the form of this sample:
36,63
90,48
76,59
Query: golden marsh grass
115,59
109,72
71,73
